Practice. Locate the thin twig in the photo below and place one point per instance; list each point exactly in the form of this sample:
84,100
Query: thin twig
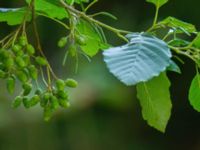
86,17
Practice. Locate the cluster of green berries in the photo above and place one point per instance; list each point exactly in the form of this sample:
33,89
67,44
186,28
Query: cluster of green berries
20,62
50,99
79,40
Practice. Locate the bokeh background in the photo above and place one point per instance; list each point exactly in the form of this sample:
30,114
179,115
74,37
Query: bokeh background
105,114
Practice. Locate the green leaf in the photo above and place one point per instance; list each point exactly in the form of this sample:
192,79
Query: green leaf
154,97
158,3
174,67
14,16
93,40
52,8
143,58
178,25
194,93
196,41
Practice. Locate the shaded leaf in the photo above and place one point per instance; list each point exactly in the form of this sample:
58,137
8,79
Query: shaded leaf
154,97
143,58
194,93
174,67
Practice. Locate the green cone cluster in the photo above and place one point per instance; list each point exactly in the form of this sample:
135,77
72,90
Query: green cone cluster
19,62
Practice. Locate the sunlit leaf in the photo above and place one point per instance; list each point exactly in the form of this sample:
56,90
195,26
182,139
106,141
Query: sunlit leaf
14,16
154,97
93,40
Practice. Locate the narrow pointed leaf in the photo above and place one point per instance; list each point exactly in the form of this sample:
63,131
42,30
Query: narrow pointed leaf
174,67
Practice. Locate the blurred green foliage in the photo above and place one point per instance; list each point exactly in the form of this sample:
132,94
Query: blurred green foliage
104,114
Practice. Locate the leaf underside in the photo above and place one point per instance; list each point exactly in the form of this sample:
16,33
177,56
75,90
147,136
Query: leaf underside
143,58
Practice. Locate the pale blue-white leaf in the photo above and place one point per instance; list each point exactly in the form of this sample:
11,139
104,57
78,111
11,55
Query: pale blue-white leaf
143,58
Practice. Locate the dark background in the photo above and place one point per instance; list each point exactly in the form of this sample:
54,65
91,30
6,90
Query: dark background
105,114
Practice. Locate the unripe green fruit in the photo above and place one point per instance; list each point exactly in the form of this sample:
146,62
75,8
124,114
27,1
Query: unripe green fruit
62,95
2,74
27,88
33,72
22,76
45,99
47,113
72,50
41,61
81,40
62,42
30,49
23,40
64,103
38,91
16,48
8,63
71,83
26,102
54,102
2,66
60,84
34,100
17,102
20,62
4,54
20,53
11,85
26,59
